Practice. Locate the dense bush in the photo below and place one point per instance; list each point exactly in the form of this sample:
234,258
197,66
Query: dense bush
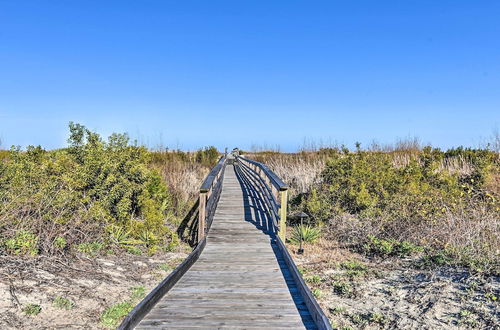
207,156
396,201
81,195
443,200
369,183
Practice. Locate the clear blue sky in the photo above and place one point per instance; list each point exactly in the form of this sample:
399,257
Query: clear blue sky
237,73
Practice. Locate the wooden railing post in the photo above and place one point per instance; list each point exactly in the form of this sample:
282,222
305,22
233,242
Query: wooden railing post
284,202
201,215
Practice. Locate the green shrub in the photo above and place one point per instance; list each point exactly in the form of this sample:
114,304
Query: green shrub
90,248
490,296
314,279
93,190
354,268
390,247
134,250
208,155
317,206
138,292
370,183
317,293
32,309
357,182
377,318
379,246
113,314
338,310
173,244
432,260
23,243
406,248
116,312
307,233
63,303
60,243
343,288
165,267
148,238
121,237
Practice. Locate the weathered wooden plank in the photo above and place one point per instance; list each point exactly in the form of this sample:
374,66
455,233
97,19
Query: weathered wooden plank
227,303
227,320
233,312
234,327
218,324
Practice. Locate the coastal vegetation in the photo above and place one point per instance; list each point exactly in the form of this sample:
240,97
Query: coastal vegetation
400,200
403,236
97,213
96,196
375,214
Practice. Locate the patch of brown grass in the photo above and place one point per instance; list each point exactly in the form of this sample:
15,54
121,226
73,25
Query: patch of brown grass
299,170
184,180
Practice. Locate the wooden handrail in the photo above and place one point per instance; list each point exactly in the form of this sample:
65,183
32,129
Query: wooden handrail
279,195
212,176
209,196
275,180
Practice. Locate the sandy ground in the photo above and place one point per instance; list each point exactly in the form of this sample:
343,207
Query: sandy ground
93,284
385,294
395,294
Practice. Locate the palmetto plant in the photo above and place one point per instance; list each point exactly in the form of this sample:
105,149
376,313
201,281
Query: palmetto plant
309,234
148,238
121,237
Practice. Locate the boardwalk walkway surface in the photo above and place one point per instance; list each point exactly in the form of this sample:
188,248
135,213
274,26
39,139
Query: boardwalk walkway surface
240,280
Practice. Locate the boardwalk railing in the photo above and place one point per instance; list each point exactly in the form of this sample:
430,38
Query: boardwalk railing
209,196
274,193
273,190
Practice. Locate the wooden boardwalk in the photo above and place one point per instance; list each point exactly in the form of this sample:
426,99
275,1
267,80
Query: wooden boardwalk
240,280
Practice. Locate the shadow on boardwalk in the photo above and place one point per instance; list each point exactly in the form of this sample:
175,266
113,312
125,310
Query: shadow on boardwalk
256,213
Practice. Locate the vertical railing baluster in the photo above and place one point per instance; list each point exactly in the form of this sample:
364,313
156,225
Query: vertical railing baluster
201,216
283,207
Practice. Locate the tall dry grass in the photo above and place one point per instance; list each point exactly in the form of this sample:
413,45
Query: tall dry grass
184,179
184,172
299,170
457,165
471,236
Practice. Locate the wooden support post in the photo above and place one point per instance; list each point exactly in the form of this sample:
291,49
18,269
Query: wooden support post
201,216
284,202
